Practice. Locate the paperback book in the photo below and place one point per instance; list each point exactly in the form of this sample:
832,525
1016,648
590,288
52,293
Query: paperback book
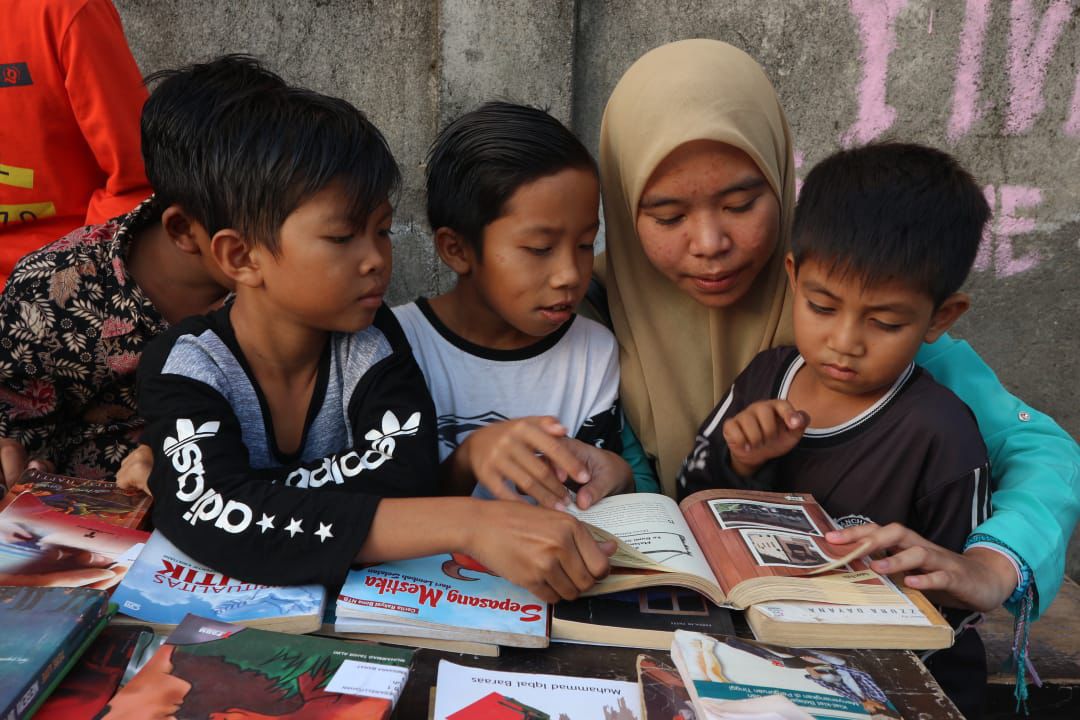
914,625
738,548
98,499
646,618
42,632
164,585
728,673
663,693
43,546
465,693
85,691
439,597
207,668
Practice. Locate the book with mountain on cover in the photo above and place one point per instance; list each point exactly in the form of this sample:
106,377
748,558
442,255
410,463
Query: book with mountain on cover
726,673
444,597
466,693
164,585
85,691
43,631
738,548
645,618
99,499
209,669
43,546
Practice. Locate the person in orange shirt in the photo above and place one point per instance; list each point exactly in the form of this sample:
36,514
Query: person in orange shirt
70,98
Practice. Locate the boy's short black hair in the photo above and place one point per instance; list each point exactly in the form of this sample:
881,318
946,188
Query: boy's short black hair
479,160
237,147
892,211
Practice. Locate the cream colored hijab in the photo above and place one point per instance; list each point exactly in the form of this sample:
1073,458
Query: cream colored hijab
677,357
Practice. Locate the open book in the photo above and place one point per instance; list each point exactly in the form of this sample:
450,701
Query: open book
738,548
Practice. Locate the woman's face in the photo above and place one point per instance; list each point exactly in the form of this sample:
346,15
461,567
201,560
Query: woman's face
708,220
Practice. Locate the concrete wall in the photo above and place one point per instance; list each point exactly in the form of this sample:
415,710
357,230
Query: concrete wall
996,82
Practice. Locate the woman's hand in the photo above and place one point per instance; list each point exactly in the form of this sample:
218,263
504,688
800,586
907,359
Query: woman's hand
980,579
609,474
13,461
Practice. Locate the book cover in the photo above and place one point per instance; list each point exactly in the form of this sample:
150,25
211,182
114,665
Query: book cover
211,669
824,685
465,693
438,592
164,585
645,618
99,499
43,546
85,691
663,694
42,632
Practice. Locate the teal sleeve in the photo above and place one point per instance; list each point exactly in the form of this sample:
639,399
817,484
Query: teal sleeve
1035,465
632,452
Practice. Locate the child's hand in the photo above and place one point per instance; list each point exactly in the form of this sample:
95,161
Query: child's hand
509,450
980,579
765,430
549,553
611,475
134,472
13,461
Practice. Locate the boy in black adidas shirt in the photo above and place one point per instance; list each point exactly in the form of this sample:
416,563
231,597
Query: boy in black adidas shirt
884,237
292,430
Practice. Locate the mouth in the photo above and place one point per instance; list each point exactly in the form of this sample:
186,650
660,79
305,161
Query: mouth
373,298
717,282
558,313
839,372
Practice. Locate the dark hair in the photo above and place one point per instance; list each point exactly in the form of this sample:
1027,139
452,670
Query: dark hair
892,211
237,147
480,160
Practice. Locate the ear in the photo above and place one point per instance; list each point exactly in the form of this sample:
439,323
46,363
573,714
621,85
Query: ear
238,259
948,312
789,265
186,233
455,250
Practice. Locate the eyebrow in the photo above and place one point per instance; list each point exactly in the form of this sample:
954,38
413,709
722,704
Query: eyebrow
745,185
889,307
554,231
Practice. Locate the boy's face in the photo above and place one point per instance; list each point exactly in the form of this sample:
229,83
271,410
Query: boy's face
857,340
537,257
328,273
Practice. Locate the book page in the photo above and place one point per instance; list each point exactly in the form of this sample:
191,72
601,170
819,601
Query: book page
749,534
905,613
653,525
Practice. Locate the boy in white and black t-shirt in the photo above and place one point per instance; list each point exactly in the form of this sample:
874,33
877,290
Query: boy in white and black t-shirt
883,238
292,431
526,392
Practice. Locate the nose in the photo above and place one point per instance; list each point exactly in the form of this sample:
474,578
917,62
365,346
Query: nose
846,337
374,257
708,236
566,273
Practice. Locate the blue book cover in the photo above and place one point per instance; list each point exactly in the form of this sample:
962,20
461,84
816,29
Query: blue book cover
164,585
42,632
448,593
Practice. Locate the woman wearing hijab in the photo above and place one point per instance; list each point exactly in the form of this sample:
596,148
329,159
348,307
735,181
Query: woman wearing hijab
699,190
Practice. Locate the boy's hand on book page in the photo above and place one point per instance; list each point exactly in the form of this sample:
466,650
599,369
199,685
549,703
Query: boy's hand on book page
549,553
764,430
134,472
980,579
609,473
527,452
13,461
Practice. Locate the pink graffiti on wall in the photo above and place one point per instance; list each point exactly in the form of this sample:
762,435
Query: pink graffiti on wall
877,34
1032,41
997,250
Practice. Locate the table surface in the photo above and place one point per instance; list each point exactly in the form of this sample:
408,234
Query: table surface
899,673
